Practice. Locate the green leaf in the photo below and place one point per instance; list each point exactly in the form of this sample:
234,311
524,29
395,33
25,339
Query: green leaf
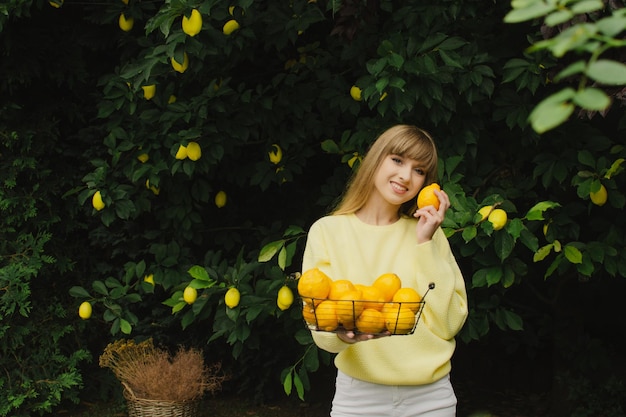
536,211
282,258
528,10
552,111
592,99
99,287
287,383
607,72
268,251
587,6
198,272
543,251
513,321
79,292
125,326
616,167
299,386
573,254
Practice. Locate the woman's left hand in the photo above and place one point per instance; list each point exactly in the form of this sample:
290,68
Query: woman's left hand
430,219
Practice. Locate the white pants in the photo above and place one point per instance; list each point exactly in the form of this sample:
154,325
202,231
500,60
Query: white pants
356,398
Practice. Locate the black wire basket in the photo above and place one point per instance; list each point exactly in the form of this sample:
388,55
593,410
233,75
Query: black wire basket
362,316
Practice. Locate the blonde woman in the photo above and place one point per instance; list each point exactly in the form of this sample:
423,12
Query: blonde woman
377,228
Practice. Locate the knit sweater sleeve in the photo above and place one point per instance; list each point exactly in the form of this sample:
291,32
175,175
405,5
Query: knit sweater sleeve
316,256
446,311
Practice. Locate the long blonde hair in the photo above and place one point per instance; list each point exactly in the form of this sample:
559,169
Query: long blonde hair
403,140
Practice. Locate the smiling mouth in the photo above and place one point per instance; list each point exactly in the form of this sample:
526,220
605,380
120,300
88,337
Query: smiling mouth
399,188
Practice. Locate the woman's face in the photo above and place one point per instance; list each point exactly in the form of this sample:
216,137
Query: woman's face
399,179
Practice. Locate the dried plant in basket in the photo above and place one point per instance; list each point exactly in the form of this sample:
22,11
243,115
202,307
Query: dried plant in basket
152,373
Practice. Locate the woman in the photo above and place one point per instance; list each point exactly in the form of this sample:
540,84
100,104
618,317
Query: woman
375,229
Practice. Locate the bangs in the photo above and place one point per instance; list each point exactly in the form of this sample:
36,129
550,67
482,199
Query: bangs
419,148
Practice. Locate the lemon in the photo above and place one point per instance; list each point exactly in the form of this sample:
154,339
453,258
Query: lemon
194,152
427,196
231,10
190,295
56,3
143,158
125,2
220,199
126,24
181,153
149,279
84,311
484,212
354,159
276,154
599,198
498,219
152,188
192,24
230,26
172,99
178,67
355,93
232,297
285,298
96,201
148,91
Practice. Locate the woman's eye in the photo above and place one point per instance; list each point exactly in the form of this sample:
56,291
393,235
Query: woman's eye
420,171
396,160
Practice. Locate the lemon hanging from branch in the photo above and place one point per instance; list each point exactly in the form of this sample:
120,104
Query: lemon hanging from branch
192,25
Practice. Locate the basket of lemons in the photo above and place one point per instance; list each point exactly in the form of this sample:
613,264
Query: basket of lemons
383,308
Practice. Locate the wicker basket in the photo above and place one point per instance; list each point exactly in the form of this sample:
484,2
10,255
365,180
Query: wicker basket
141,407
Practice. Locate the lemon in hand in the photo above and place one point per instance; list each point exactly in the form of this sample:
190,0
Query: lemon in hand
427,196
192,24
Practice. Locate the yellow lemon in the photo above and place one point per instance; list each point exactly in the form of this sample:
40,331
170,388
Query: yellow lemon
192,24
126,24
143,158
498,219
56,3
148,91
285,297
276,154
370,321
326,316
152,188
407,298
314,284
484,212
355,93
181,153
599,197
427,196
96,201
388,284
399,321
230,26
172,99
190,295
194,152
149,279
84,310
178,67
232,297
231,9
220,199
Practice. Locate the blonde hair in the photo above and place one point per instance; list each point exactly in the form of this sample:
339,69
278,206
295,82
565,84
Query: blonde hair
403,140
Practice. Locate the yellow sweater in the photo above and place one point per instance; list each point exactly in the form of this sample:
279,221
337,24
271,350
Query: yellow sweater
344,247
